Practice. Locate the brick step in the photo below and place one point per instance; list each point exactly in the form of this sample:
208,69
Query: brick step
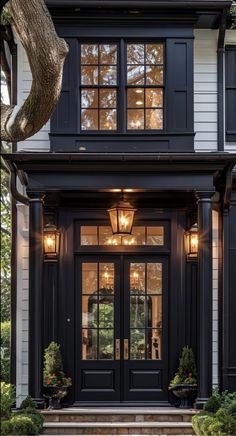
114,415
118,428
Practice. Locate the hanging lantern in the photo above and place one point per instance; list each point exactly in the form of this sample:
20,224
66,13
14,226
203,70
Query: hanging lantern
51,241
121,218
192,241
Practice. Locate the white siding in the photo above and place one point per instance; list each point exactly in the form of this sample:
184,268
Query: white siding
40,141
205,89
22,303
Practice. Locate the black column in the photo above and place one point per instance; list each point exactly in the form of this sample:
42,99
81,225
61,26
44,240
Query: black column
204,299
35,298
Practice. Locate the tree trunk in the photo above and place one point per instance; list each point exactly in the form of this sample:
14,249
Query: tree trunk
46,53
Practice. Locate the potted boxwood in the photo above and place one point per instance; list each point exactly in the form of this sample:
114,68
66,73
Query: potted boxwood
56,385
184,383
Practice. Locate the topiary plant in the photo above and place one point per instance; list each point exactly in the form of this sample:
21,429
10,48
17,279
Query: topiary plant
187,371
53,374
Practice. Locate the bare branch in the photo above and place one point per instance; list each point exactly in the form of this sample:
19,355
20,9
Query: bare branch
46,53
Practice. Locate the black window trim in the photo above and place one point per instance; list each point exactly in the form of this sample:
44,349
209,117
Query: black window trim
122,87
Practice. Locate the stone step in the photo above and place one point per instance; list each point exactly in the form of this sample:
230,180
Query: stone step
118,428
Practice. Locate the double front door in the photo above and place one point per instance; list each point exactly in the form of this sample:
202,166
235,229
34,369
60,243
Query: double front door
121,330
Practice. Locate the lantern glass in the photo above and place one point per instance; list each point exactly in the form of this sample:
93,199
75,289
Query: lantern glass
51,241
192,241
121,218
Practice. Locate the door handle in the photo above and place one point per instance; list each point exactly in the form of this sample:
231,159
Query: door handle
117,349
126,349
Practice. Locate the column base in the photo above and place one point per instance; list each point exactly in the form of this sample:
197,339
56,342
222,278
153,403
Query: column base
39,402
200,402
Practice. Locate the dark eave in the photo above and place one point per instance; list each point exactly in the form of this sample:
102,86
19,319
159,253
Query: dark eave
193,4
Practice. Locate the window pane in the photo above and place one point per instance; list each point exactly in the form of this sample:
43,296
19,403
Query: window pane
106,278
106,344
90,311
107,119
137,344
107,76
138,233
154,311
105,234
154,53
89,54
154,119
108,54
135,75
89,75
89,119
88,235
135,97
89,278
137,311
106,312
154,344
153,97
89,344
154,278
135,119
154,75
155,235
137,278
107,98
135,54
89,98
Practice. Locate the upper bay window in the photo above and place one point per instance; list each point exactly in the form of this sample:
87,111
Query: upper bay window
121,87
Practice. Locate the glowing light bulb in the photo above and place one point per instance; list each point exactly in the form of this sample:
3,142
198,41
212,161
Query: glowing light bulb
139,102
49,241
139,91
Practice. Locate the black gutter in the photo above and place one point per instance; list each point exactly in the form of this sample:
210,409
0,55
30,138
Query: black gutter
220,80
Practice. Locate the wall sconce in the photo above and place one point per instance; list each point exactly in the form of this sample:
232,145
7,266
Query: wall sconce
51,241
122,218
192,242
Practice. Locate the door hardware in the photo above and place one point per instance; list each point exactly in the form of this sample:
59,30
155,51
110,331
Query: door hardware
117,349
126,349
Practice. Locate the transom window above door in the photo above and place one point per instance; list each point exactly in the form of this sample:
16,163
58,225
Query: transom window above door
121,87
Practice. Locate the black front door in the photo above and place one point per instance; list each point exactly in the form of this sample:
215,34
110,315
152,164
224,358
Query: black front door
121,329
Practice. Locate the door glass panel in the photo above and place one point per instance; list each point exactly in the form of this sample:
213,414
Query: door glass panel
154,344
89,344
145,310
106,278
97,310
90,311
89,278
137,311
154,311
106,344
137,344
88,235
106,312
154,278
137,278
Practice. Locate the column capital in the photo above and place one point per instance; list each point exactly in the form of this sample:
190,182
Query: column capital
204,195
36,197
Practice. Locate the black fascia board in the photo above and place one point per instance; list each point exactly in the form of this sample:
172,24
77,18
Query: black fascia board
193,4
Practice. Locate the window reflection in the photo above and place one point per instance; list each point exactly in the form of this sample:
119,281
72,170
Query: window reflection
98,105
145,69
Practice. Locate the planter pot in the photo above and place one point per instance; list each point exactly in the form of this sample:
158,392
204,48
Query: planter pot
187,393
54,395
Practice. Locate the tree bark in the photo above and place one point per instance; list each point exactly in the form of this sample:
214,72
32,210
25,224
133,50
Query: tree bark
46,53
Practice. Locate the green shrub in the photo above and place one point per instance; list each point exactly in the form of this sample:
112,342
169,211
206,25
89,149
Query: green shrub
197,422
34,415
5,350
232,409
23,425
227,398
28,402
213,404
6,428
187,371
7,399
